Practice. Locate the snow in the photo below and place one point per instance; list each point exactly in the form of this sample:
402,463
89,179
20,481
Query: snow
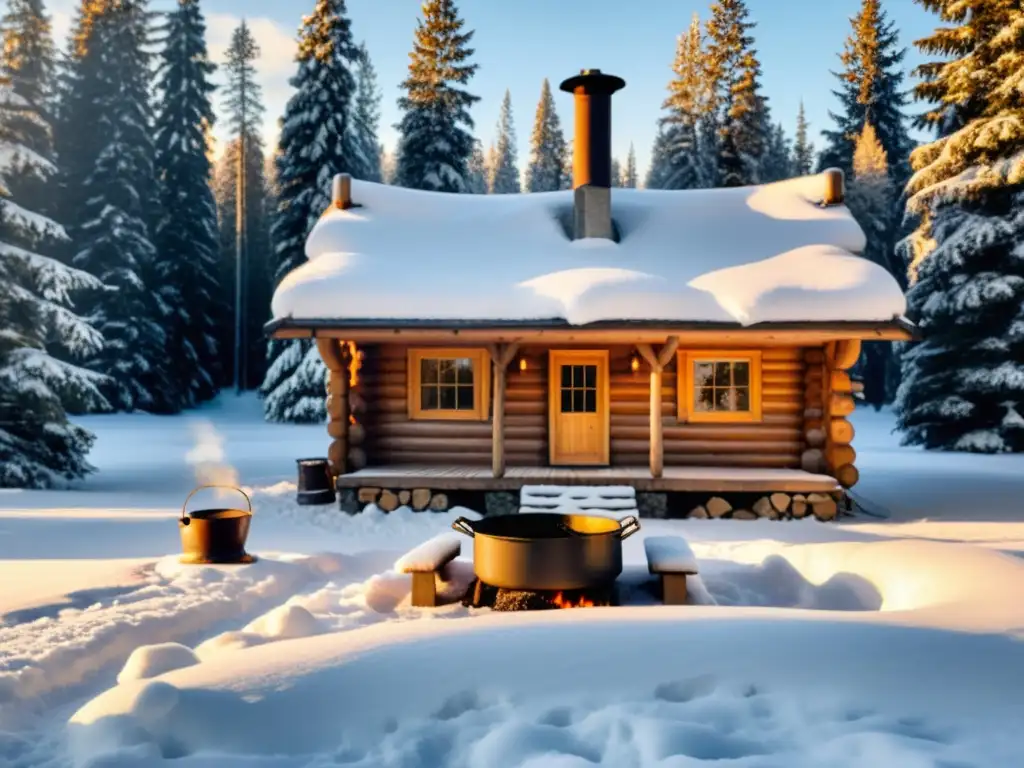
669,554
620,499
868,643
748,255
429,555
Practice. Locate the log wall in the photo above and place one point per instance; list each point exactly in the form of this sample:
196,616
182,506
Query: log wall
777,441
392,438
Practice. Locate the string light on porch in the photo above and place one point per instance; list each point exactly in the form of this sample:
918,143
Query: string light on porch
634,362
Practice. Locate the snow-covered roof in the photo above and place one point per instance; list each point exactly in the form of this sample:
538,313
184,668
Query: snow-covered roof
747,255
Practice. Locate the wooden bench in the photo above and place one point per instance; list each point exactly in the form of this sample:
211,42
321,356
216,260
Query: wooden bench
424,562
671,559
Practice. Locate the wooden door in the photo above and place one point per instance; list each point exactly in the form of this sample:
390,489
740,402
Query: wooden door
578,407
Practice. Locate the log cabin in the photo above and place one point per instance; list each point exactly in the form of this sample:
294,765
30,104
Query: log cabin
694,341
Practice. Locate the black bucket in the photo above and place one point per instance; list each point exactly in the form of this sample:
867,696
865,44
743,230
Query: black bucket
316,484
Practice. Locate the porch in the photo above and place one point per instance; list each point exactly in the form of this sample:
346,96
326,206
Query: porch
673,479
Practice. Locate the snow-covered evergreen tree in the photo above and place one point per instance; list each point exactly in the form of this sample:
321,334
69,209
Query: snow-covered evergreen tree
505,173
317,141
870,90
39,448
186,234
870,199
734,72
28,66
656,170
435,132
118,205
243,103
616,172
803,149
367,116
777,161
963,385
676,161
476,171
258,285
547,146
629,177
567,166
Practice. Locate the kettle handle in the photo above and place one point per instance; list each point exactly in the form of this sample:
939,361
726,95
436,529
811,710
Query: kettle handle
188,498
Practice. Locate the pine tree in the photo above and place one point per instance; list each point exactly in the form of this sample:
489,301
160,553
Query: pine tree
803,149
258,285
435,131
243,103
476,171
29,63
963,385
118,205
186,234
777,161
39,448
505,178
79,98
629,177
616,172
870,199
367,116
676,162
870,90
656,170
733,72
317,141
547,146
567,165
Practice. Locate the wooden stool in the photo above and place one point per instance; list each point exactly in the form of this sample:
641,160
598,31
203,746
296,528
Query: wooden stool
671,559
424,562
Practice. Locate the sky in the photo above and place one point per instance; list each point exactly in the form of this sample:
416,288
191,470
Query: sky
520,43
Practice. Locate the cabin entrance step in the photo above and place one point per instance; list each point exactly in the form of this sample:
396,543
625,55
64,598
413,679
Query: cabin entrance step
620,499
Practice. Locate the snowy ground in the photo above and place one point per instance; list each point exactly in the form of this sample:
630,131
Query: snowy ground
872,643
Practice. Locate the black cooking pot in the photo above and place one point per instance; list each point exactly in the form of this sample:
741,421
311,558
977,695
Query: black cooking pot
537,551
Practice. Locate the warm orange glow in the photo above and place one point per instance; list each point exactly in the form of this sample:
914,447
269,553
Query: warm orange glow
634,364
355,356
561,601
356,362
522,363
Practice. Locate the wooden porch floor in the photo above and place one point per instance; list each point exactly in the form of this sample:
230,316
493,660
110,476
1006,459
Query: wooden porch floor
712,479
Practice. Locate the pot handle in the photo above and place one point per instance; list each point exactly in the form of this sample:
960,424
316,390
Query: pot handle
629,525
462,525
188,498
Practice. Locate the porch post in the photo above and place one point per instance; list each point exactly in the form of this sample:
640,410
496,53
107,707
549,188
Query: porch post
657,364
501,356
335,356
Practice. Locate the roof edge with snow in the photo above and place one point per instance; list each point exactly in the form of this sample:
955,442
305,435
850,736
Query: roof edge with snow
896,329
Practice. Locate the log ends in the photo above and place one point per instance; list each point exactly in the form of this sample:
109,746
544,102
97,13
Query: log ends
843,354
847,475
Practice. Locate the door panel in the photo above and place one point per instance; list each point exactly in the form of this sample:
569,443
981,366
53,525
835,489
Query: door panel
578,407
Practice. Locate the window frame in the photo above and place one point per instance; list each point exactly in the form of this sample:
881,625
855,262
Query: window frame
481,361
686,394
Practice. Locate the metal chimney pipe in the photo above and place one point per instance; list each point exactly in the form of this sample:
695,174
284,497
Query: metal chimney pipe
592,143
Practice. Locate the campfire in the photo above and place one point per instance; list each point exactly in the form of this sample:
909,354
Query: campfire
481,595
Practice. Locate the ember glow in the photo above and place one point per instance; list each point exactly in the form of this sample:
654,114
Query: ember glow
561,601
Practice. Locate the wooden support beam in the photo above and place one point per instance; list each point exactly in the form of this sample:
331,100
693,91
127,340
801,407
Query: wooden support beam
657,362
336,357
501,356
